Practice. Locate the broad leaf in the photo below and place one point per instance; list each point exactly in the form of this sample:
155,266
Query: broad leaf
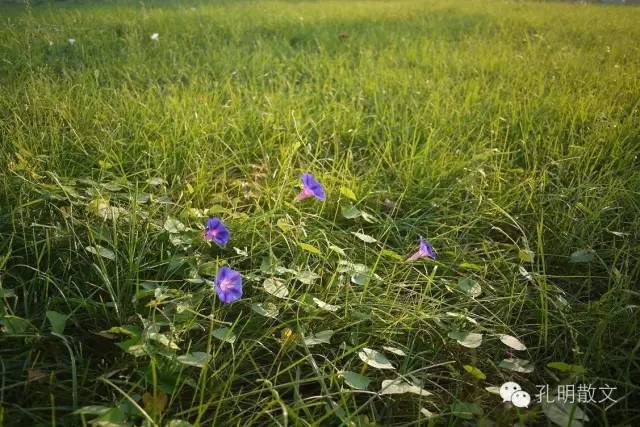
354,380
517,365
399,386
267,309
307,277
350,212
57,320
375,359
394,350
275,288
310,248
225,334
101,251
364,237
323,305
475,372
198,359
562,413
566,367
173,226
512,342
469,286
322,337
348,193
466,339
582,255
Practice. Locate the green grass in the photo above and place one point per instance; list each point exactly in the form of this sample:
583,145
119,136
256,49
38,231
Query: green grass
507,133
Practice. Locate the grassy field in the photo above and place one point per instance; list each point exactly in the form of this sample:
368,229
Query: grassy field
506,133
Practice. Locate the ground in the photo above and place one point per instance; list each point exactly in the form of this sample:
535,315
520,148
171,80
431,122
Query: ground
505,133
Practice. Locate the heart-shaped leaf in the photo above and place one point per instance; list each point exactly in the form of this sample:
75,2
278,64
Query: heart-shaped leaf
512,342
225,334
323,305
266,310
275,288
322,337
101,251
173,226
469,287
354,380
466,339
198,359
375,359
399,386
582,255
57,320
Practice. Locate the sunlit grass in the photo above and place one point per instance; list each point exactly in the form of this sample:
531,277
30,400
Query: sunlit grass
506,133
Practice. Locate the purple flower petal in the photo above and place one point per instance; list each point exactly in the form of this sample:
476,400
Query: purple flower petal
425,250
228,285
216,231
310,188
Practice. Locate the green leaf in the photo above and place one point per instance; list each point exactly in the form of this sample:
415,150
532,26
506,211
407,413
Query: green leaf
567,367
14,325
360,278
133,346
517,365
475,372
307,277
354,380
198,359
350,212
310,248
348,193
469,287
394,350
375,359
466,410
582,255
174,226
337,250
364,237
163,339
466,339
512,342
284,225
91,410
275,288
57,320
563,413
391,254
322,337
156,181
526,255
399,386
101,251
323,305
266,310
225,334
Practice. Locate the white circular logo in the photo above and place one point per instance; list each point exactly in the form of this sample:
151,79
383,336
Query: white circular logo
507,389
521,399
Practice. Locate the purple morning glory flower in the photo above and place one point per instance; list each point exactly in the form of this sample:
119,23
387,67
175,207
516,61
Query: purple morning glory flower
310,188
228,285
216,231
424,251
